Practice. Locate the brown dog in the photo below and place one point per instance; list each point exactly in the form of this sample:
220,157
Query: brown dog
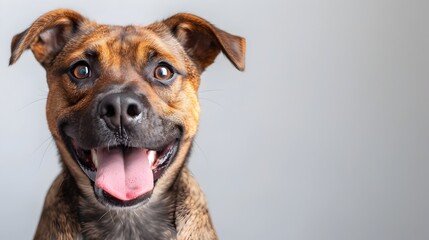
123,110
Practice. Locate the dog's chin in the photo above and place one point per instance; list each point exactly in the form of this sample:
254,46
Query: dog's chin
139,170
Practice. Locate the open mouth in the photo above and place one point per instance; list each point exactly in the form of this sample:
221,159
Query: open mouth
124,176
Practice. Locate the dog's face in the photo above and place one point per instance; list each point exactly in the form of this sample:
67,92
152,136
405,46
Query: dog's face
122,103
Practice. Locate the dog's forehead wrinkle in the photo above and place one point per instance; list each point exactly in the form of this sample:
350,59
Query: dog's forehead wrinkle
88,32
127,31
114,50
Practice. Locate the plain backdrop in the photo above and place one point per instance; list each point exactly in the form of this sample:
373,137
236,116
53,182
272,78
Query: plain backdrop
325,136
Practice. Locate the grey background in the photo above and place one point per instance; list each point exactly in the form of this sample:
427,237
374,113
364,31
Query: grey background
324,136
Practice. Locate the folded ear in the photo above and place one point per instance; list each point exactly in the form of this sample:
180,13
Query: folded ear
47,35
202,41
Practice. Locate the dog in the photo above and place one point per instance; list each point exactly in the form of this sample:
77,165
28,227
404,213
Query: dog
123,110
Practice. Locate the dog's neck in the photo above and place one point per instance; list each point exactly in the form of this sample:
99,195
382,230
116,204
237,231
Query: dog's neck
155,220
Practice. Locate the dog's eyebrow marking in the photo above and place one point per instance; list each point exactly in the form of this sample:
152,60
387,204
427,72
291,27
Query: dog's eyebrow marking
151,55
90,53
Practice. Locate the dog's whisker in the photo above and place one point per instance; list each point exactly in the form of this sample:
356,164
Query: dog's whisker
103,215
135,214
110,213
43,143
33,102
200,149
46,150
211,90
211,101
118,216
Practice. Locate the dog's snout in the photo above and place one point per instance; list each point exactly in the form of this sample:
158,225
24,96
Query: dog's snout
120,110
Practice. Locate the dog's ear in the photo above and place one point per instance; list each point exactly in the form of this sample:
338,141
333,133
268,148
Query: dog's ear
202,41
46,36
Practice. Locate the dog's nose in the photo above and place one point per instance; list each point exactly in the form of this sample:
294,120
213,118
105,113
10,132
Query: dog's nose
120,110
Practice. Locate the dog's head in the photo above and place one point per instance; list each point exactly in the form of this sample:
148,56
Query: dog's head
122,103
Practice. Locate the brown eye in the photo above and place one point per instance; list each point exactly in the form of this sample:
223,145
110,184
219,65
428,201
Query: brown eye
163,73
81,71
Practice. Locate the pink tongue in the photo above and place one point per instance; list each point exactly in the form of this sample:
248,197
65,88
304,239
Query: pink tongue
124,176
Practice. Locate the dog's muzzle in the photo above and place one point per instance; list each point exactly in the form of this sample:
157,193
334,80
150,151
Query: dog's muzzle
121,167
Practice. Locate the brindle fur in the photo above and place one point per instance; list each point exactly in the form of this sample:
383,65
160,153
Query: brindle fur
177,208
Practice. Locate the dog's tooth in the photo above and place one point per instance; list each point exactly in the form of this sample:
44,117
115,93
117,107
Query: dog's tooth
94,157
151,156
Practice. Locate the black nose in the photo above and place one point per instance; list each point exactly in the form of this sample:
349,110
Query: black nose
120,110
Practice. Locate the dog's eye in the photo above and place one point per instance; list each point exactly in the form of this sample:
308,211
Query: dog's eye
163,73
81,71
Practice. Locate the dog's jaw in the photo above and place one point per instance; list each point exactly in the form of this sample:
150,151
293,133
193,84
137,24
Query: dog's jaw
122,176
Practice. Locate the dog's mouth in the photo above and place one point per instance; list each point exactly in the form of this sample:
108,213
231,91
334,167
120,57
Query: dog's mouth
124,176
